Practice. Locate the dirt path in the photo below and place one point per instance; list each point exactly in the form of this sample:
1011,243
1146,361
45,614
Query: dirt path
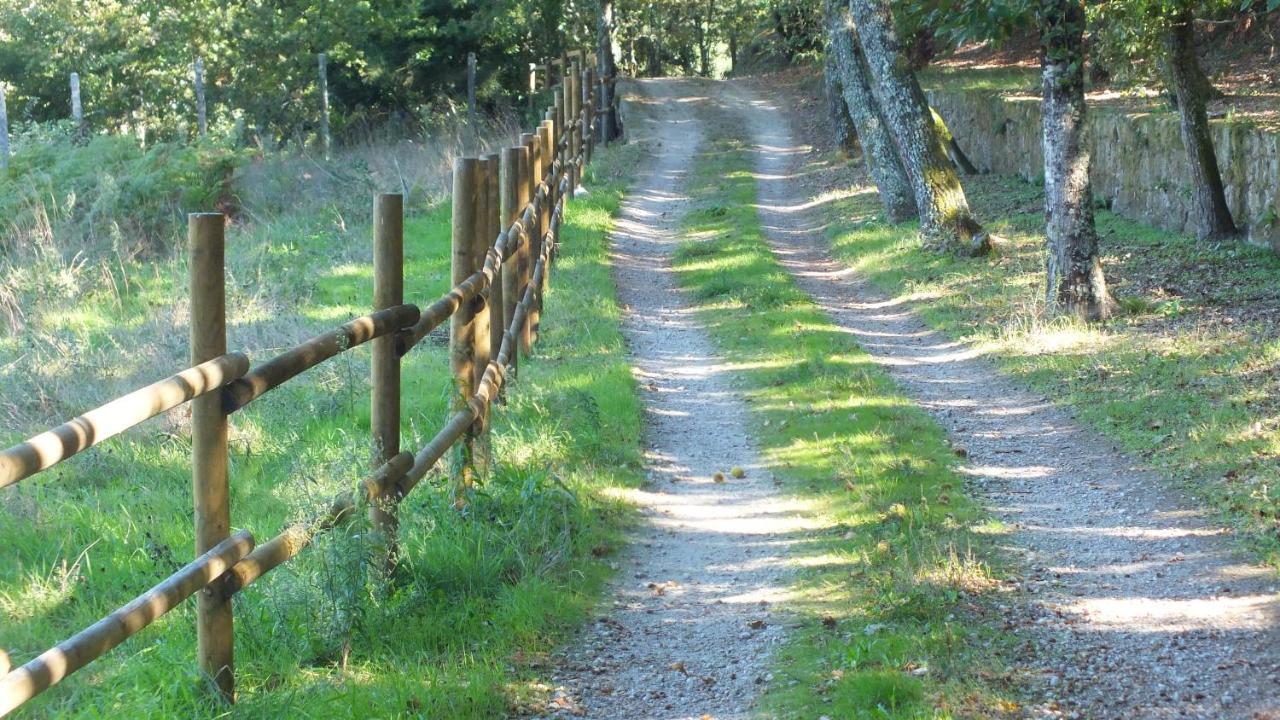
688,633
1138,606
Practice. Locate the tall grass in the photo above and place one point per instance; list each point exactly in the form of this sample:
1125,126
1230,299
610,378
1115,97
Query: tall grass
478,598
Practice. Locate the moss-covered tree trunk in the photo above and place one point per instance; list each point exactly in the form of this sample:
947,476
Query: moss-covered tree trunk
878,150
843,131
1075,281
946,222
1187,80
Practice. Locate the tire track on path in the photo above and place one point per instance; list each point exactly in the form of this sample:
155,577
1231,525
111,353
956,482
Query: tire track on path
1136,604
681,637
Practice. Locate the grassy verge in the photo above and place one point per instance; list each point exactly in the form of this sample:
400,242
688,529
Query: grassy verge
479,598
1187,377
893,604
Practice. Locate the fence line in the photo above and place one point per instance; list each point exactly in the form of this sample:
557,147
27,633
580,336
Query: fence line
81,126
507,216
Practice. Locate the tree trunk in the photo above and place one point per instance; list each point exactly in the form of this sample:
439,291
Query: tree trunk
950,146
845,135
1075,283
1213,216
945,219
877,144
608,71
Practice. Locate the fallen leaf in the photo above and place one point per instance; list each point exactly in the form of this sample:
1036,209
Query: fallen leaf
756,624
738,472
718,477
678,667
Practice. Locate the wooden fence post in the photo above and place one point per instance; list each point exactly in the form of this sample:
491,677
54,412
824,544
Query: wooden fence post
481,353
384,411
494,221
466,198
4,131
536,169
202,116
533,84
547,133
471,89
77,109
526,248
561,115
209,461
510,204
324,105
588,114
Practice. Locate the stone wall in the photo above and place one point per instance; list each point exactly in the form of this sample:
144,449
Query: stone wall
1139,165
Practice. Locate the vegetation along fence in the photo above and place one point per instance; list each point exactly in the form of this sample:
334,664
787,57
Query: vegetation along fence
506,217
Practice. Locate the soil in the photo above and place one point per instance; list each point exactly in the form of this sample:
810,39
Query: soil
692,617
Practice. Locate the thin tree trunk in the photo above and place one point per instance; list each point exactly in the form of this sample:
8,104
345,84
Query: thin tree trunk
1075,283
1212,215
946,221
608,69
843,131
877,144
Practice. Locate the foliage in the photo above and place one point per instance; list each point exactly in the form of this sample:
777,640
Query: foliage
110,191
479,597
387,59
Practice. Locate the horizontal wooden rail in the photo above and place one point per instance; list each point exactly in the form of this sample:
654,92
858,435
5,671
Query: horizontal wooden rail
494,375
295,538
559,151
50,448
289,364
52,666
444,307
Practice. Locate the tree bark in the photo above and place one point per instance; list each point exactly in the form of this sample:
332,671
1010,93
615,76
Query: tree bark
878,148
843,131
946,222
1212,215
608,70
1075,283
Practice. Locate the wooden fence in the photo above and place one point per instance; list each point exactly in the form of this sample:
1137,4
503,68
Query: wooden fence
507,212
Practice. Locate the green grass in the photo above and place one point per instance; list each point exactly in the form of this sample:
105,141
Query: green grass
1186,377
893,615
478,599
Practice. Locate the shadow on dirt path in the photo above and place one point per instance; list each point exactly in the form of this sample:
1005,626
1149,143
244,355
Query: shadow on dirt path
1137,604
682,637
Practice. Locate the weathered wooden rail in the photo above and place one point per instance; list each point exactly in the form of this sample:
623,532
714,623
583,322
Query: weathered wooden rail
506,218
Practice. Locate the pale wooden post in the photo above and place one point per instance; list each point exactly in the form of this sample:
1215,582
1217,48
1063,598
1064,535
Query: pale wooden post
510,203
202,117
77,110
467,181
481,353
209,452
494,221
384,415
471,89
325,137
533,141
4,131
561,116
546,133
588,114
533,83
525,267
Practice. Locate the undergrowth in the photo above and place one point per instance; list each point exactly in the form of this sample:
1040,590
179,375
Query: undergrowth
479,597
894,603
